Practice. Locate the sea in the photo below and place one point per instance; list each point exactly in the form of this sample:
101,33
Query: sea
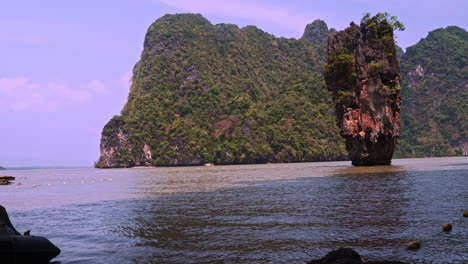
268,213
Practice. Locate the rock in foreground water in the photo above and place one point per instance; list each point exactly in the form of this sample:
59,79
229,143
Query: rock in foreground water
363,73
23,249
447,227
413,245
347,256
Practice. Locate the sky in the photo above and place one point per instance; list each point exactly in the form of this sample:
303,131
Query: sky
65,66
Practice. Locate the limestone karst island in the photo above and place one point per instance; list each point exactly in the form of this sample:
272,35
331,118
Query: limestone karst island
204,93
233,143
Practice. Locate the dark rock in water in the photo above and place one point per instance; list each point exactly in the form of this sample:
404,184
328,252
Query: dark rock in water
339,256
18,249
5,180
413,245
447,227
363,73
385,262
347,256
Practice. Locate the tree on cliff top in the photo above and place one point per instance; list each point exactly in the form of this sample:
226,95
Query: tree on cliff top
381,17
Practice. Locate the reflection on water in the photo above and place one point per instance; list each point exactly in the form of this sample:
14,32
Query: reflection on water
370,169
272,213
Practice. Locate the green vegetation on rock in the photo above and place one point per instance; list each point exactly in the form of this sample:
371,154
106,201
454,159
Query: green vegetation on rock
434,116
223,94
383,17
206,93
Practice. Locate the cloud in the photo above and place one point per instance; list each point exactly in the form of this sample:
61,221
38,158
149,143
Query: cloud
282,17
64,92
98,87
125,80
19,94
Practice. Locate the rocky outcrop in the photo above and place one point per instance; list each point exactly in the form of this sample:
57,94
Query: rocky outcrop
24,249
5,180
363,73
347,256
116,150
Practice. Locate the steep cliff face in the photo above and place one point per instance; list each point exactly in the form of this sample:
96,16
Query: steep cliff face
363,73
222,94
435,90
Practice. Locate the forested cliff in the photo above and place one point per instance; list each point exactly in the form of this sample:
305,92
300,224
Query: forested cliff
219,93
204,93
434,115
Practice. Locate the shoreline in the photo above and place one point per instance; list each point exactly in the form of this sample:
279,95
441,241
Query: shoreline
272,163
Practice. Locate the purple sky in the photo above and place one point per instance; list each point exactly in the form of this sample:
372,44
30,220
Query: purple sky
65,65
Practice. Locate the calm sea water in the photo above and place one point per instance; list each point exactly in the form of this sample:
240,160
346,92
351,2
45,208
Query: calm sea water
273,213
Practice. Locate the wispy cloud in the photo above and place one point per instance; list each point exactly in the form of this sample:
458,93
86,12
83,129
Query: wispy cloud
96,86
19,94
125,81
280,16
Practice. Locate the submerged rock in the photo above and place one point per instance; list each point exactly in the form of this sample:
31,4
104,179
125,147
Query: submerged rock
363,73
342,255
347,256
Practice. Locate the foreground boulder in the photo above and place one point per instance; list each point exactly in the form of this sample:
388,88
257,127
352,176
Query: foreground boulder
347,256
363,73
23,249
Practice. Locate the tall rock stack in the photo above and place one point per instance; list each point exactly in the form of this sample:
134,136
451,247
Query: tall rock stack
363,73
